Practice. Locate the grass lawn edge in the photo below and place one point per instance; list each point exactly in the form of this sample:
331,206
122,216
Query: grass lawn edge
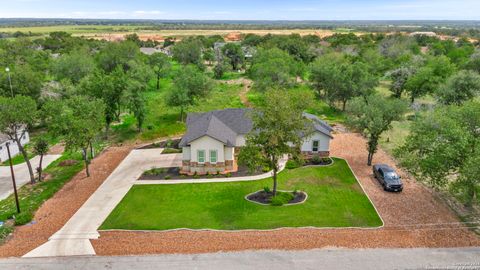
265,230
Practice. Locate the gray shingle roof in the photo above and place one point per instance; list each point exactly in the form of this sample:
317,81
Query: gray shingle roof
319,125
222,125
3,138
226,125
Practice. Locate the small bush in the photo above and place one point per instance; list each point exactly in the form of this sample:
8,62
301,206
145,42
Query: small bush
23,218
168,177
228,175
155,171
281,198
266,189
316,160
4,232
265,169
171,151
294,163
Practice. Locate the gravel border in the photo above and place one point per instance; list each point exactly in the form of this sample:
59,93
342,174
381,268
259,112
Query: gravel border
413,218
56,211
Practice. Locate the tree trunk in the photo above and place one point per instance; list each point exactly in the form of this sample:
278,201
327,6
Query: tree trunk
40,169
344,105
275,181
412,99
181,113
25,156
85,158
92,151
107,128
158,81
370,158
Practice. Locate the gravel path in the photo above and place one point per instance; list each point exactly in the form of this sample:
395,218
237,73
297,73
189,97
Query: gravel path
413,218
54,213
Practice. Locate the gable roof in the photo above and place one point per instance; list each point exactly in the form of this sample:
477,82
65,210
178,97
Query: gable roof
226,125
222,125
4,138
319,125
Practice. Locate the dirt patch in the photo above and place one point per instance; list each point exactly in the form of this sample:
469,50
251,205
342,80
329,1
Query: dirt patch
55,212
247,86
57,149
413,218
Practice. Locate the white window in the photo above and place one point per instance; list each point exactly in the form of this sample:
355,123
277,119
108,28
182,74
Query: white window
201,156
213,156
315,146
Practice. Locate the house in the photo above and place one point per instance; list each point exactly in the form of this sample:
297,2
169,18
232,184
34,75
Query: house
4,139
214,138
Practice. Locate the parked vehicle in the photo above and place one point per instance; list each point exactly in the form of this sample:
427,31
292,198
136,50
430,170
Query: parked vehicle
387,177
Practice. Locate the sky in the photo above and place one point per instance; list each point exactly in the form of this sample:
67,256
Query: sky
245,9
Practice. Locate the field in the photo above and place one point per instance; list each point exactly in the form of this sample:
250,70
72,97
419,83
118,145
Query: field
335,200
117,31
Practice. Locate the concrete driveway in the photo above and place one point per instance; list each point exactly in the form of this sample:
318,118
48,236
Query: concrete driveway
74,237
21,174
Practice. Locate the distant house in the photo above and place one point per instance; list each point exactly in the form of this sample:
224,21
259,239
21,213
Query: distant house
214,138
429,34
4,139
159,49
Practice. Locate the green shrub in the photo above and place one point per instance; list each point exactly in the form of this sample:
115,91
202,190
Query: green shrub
168,177
23,218
266,189
265,169
228,175
316,160
171,151
4,232
281,198
155,171
294,163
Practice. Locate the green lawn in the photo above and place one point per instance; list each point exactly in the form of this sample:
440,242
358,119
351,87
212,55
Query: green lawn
32,197
335,200
319,107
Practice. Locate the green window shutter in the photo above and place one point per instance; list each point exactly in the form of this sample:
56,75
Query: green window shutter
201,156
213,156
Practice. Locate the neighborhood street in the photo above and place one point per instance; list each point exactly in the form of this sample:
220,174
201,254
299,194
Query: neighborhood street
21,174
459,258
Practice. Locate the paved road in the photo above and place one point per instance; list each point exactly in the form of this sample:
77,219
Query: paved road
22,175
73,238
378,259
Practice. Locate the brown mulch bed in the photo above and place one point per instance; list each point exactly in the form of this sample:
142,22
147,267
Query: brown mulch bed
413,218
173,143
55,212
265,198
173,173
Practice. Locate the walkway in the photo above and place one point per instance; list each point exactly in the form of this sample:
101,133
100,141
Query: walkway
73,238
22,175
283,162
457,258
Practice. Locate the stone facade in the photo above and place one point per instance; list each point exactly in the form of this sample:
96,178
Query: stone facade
191,168
310,154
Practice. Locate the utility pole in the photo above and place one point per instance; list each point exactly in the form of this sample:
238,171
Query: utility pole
9,80
13,178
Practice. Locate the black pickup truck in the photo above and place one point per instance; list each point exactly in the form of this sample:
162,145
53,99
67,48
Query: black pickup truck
387,177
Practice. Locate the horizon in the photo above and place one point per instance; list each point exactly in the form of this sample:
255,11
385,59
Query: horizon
248,10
